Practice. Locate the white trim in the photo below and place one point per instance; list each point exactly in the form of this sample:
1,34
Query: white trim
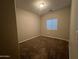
42,35
28,39
56,37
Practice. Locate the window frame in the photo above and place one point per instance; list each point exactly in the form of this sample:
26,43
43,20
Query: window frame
52,27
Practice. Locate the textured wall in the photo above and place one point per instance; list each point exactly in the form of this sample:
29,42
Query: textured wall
28,24
63,16
74,31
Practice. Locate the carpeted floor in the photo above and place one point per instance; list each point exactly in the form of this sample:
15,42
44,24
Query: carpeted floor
44,48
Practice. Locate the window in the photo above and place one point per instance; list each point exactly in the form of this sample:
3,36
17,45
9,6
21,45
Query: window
52,24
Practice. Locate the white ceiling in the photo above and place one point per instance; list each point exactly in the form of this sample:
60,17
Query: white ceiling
33,5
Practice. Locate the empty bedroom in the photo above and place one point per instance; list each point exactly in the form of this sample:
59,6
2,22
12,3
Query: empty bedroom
43,28
39,29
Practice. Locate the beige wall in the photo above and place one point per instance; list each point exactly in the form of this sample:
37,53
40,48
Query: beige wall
74,31
8,30
63,16
28,24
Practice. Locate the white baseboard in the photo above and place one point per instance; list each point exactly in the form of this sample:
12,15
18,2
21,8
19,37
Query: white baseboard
56,38
28,39
44,36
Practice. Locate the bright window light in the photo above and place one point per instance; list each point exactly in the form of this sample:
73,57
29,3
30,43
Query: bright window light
52,24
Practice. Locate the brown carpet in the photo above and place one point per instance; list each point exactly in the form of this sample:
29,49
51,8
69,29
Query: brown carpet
44,48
